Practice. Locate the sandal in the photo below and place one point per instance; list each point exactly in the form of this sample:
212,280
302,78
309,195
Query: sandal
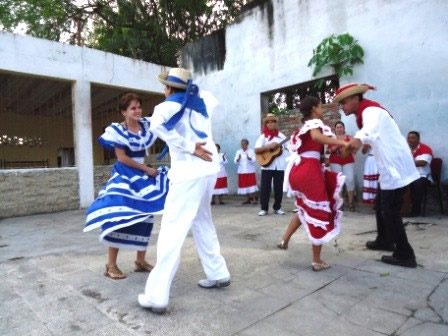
247,202
351,207
114,272
143,266
282,245
319,266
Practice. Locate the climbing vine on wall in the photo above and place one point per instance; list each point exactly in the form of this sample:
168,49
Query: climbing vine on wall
340,53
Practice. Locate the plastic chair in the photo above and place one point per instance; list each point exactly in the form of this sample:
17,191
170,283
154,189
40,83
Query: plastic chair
436,170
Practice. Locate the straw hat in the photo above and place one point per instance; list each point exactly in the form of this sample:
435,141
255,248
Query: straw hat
269,117
351,90
176,77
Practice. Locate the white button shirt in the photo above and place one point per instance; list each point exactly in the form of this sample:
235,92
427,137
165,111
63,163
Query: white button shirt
279,163
392,153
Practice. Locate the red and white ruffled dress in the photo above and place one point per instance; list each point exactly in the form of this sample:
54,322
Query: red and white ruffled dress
317,190
221,178
247,179
371,177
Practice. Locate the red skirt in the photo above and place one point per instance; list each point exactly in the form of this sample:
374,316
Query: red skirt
247,183
317,193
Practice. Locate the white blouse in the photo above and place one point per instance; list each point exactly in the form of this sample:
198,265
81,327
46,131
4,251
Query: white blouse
246,165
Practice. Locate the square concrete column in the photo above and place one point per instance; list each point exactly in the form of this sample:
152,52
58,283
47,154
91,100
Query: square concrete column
82,127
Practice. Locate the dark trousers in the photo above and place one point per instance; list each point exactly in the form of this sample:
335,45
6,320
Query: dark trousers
390,224
418,189
267,176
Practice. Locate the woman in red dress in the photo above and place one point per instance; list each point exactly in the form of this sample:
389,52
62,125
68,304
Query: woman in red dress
344,165
317,190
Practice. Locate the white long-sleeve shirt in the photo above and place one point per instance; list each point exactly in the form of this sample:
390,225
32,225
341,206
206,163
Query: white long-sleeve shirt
279,163
222,165
182,139
392,154
245,166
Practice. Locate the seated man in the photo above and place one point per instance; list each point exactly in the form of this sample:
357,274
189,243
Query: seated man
422,157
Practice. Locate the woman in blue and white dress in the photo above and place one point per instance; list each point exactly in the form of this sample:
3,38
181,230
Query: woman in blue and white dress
135,192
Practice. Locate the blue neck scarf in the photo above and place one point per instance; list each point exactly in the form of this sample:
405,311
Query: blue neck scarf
189,99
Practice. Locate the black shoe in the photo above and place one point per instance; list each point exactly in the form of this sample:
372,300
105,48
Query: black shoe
391,260
377,246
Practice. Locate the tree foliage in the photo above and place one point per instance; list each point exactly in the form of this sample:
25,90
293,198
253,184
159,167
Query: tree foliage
151,30
340,53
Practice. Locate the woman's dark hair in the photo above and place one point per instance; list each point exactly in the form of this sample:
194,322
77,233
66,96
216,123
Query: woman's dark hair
125,100
339,122
417,134
218,146
245,140
307,104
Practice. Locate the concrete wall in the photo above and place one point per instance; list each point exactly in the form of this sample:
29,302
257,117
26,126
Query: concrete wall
31,191
270,45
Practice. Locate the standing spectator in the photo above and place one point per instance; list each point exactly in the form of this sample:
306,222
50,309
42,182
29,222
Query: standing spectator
247,179
422,157
275,172
221,178
371,176
344,165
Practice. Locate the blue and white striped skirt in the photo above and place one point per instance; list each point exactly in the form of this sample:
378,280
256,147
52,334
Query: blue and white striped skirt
125,207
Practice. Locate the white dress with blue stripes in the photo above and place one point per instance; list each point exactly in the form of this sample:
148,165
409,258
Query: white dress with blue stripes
125,206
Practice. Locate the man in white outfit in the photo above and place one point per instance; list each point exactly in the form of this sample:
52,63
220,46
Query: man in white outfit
183,122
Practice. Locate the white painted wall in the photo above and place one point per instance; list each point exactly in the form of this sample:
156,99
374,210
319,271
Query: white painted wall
405,58
82,66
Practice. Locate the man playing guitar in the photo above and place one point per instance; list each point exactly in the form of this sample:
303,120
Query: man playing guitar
268,142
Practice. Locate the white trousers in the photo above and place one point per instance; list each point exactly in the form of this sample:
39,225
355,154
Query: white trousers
348,170
187,207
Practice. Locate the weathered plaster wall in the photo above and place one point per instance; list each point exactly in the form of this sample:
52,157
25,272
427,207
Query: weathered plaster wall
270,45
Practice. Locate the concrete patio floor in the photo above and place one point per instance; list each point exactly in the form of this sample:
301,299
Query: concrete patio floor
52,283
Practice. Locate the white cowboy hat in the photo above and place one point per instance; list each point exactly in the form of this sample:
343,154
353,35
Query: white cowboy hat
269,117
351,90
176,77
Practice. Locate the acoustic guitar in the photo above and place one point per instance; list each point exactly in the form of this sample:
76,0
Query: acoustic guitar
266,158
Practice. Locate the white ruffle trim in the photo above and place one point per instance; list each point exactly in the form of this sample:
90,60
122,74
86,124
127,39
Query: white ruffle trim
293,148
222,191
248,190
304,217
